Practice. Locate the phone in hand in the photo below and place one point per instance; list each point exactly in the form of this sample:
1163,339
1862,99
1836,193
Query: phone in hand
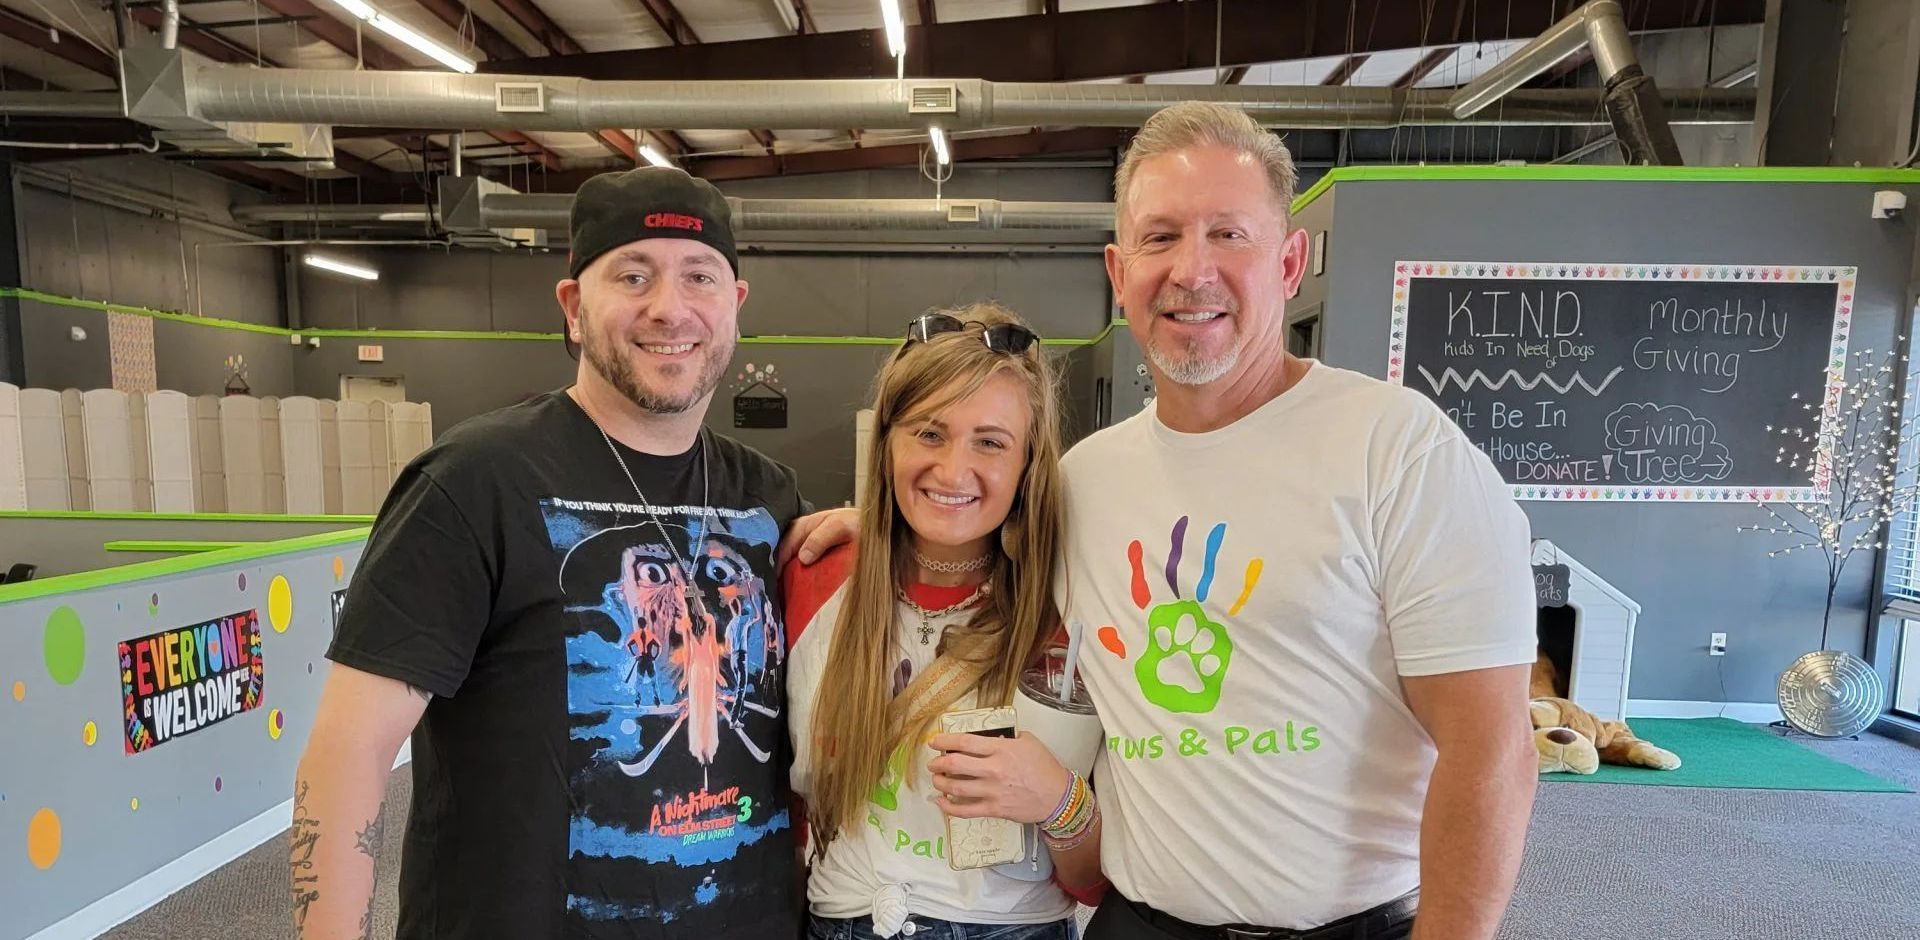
984,842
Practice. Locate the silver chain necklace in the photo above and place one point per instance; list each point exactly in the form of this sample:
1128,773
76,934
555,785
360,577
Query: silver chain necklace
691,589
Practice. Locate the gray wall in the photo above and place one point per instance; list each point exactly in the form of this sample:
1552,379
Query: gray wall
1684,563
791,292
100,247
191,789
187,357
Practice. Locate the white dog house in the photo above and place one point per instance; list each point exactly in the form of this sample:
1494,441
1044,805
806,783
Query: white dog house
1602,643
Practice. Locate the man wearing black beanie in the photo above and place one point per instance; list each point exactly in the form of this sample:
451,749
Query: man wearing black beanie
571,605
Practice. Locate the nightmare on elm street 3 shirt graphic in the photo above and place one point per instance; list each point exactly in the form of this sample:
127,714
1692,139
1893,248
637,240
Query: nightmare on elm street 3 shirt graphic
677,754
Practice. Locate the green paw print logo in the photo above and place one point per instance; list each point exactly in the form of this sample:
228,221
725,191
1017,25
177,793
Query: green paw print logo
886,793
1187,653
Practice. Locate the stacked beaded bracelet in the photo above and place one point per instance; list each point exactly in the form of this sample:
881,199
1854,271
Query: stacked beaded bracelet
1073,819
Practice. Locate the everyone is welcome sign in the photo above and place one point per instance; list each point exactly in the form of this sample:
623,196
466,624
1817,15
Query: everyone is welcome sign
178,681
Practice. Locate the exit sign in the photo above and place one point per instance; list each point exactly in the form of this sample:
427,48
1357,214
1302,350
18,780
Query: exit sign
373,354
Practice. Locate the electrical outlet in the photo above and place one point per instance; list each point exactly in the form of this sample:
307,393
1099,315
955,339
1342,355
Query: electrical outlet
1717,645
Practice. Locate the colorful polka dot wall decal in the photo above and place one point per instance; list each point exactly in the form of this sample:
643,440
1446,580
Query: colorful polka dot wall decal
216,784
90,734
134,804
276,722
43,839
19,691
339,567
64,645
279,603
243,580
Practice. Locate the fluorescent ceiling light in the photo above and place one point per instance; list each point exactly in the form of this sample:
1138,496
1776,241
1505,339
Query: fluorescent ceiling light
940,145
365,12
325,263
896,28
653,156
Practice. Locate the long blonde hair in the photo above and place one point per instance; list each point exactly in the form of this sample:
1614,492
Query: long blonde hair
856,730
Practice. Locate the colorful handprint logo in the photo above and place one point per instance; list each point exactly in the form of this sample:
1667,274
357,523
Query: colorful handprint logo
1184,664
886,793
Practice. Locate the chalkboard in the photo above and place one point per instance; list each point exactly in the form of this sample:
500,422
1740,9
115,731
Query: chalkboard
1627,382
1551,584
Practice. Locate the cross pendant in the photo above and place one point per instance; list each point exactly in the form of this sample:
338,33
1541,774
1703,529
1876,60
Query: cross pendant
926,633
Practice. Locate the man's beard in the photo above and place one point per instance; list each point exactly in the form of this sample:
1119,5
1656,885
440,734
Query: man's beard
618,371
1190,366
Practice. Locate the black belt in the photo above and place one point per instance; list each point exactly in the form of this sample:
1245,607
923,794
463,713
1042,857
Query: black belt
1359,926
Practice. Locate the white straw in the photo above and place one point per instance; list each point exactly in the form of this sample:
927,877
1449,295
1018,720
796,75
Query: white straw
1074,630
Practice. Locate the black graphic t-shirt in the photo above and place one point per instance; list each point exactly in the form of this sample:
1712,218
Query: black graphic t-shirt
606,752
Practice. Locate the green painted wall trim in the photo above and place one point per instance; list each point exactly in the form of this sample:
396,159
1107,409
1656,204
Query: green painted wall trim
163,567
1629,174
383,335
6,514
163,545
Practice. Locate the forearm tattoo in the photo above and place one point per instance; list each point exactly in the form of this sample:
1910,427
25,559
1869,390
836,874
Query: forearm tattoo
306,880
367,841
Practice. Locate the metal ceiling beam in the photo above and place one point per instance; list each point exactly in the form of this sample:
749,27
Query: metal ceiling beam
212,45
1344,72
57,43
21,81
1106,43
1233,76
495,44
929,12
531,147
670,22
620,144
534,20
338,34
1423,68
492,43
806,18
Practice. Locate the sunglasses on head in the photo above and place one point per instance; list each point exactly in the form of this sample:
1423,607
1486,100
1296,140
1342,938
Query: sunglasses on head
1008,338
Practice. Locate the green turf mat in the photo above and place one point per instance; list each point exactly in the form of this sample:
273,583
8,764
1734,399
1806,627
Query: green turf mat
1721,752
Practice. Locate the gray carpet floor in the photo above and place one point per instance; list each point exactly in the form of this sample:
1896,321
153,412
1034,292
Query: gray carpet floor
1604,862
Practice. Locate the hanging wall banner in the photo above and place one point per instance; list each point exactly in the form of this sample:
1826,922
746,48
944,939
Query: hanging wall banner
1648,382
178,681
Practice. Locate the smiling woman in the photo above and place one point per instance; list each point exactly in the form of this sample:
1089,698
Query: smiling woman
949,598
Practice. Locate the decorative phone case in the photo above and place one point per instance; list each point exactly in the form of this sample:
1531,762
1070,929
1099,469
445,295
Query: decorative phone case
982,843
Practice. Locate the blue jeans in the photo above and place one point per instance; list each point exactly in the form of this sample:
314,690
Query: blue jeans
927,928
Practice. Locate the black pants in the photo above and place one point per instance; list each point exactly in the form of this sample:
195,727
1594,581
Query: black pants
1121,919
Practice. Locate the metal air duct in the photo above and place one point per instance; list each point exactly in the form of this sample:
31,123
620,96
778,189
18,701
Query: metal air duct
61,103
1634,105
453,101
473,205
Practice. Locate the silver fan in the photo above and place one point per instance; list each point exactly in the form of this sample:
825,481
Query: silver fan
1830,694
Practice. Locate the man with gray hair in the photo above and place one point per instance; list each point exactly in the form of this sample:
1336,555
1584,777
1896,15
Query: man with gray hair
1308,596
1314,684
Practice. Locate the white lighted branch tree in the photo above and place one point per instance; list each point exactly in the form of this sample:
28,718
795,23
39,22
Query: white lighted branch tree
1854,461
